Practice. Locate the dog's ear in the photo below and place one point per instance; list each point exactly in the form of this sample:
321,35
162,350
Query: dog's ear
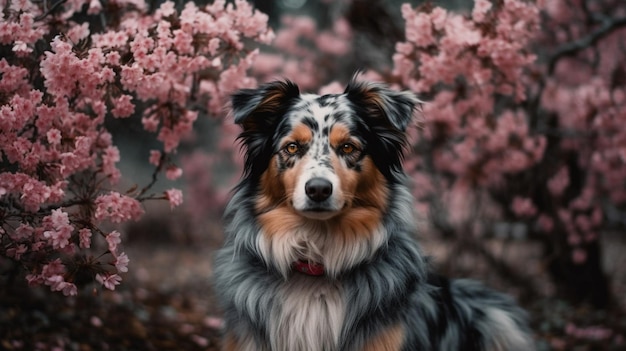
386,115
383,105
258,110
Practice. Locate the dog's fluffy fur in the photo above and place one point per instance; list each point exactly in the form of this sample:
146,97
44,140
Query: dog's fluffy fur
323,183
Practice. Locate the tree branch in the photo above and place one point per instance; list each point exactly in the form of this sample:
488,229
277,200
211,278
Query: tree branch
572,48
49,11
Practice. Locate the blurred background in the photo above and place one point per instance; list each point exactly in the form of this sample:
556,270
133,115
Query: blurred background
517,163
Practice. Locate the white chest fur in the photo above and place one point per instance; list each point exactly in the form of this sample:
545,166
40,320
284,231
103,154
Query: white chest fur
309,317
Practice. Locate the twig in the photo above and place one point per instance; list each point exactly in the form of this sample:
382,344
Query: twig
155,174
49,11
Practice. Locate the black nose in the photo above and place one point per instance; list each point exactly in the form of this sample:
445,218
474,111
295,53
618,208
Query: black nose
318,189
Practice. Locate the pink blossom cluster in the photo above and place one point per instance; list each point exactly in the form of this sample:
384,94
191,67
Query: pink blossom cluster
305,53
590,332
488,50
465,64
59,161
53,275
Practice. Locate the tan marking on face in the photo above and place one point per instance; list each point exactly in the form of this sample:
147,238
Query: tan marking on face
301,134
372,187
348,178
391,339
272,190
277,187
339,134
366,188
365,193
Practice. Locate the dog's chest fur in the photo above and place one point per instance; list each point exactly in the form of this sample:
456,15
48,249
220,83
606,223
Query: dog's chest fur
310,317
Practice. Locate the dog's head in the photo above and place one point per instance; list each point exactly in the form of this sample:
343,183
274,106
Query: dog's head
322,155
321,172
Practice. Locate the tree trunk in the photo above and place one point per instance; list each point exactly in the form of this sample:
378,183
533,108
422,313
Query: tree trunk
578,281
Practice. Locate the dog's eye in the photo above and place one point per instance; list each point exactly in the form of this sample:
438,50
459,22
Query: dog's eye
347,148
292,148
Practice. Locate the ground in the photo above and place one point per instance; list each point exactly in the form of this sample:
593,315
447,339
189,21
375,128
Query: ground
165,303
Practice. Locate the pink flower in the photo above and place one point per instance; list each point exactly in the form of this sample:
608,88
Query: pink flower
173,172
329,43
121,262
523,207
150,123
23,232
175,197
332,88
123,106
109,281
166,9
545,223
574,239
17,251
94,7
113,239
481,7
84,237
95,321
55,267
110,156
155,157
34,279
67,288
78,32
54,136
60,230
579,256
438,17
559,182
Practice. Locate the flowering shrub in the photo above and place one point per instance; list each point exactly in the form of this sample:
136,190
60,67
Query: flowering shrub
509,136
63,74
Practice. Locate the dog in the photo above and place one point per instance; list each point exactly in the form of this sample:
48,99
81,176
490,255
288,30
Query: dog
320,251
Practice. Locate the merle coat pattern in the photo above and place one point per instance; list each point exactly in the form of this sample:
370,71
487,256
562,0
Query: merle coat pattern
323,186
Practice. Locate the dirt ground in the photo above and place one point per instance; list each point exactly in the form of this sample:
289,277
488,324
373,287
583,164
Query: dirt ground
166,303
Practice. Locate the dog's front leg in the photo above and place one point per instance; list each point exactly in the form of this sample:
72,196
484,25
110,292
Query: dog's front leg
232,343
390,339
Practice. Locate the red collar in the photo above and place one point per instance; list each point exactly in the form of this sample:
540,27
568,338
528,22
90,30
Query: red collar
309,268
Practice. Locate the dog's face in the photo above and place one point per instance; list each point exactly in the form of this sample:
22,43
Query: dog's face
320,165
322,156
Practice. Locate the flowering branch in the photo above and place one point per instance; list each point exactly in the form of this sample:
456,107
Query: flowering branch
608,26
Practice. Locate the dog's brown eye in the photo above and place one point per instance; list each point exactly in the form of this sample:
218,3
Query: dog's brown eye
347,149
292,148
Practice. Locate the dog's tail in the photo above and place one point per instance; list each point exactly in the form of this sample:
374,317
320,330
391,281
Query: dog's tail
493,320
